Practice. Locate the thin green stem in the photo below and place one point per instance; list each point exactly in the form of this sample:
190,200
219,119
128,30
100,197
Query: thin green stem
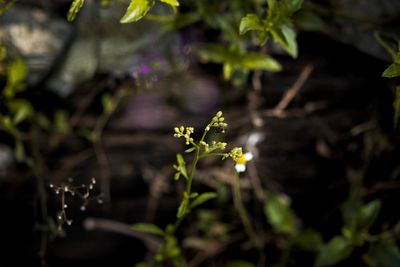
244,217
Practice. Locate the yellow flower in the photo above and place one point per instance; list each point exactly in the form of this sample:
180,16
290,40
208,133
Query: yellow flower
240,165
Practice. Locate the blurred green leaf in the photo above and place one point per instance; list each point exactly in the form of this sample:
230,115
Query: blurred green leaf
202,198
254,61
171,2
250,23
182,208
20,109
235,59
177,176
384,253
19,151
148,228
16,75
76,5
309,240
288,7
61,122
338,249
279,214
107,103
239,263
358,221
136,10
309,21
392,71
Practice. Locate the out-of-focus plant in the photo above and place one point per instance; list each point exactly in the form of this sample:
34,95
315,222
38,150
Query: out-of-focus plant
392,46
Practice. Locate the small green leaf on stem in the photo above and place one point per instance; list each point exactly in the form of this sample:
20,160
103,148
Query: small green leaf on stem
190,149
171,2
202,198
148,228
182,208
250,23
74,9
338,249
136,10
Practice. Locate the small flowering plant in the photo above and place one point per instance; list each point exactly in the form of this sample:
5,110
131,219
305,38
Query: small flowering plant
201,149
170,250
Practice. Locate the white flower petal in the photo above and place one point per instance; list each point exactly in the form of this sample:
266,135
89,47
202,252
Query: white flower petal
248,156
240,167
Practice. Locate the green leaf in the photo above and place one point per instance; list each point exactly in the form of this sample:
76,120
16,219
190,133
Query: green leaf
359,220
107,103
254,61
19,151
228,69
338,249
279,214
182,164
190,149
263,36
74,9
368,214
309,240
392,71
286,37
137,9
148,228
250,23
396,106
384,253
61,122
288,7
309,21
21,109
202,198
216,53
16,74
182,208
171,2
176,176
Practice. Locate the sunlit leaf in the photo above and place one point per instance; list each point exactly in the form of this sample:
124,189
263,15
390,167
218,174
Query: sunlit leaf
16,75
148,228
254,61
171,2
136,10
74,9
336,250
286,37
250,23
